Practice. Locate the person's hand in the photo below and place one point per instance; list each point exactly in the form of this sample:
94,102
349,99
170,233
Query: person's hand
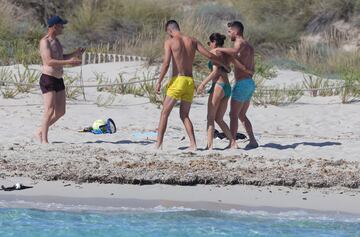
74,61
200,88
216,50
80,51
158,87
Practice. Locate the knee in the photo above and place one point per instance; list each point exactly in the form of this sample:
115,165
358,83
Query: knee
219,120
60,113
233,116
183,117
242,118
49,111
210,117
165,113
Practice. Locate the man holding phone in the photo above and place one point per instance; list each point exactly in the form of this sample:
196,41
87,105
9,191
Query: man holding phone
51,81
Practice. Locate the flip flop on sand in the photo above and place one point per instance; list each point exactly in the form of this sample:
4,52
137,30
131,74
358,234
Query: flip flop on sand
221,135
251,146
17,186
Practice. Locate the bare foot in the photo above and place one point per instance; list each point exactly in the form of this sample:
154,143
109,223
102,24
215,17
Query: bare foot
193,147
207,148
158,146
232,145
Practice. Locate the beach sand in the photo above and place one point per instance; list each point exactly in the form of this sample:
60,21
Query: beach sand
63,195
312,145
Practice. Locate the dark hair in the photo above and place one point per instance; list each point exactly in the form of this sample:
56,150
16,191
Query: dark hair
218,38
172,24
238,25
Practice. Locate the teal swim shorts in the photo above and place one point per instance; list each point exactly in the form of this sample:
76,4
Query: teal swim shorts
243,90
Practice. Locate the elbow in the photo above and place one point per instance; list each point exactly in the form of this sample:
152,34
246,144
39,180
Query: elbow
50,63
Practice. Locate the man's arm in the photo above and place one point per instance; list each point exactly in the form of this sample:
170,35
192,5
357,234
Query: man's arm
165,65
232,51
214,74
215,59
45,53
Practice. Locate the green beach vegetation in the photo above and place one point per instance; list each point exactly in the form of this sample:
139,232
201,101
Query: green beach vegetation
316,37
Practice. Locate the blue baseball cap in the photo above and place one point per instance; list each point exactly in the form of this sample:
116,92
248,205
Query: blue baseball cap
56,20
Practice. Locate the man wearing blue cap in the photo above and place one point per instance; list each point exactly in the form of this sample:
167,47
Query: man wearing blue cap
51,81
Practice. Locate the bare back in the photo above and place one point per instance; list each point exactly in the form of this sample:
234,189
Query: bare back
246,57
51,49
183,50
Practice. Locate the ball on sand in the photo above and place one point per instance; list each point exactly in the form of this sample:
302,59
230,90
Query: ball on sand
100,122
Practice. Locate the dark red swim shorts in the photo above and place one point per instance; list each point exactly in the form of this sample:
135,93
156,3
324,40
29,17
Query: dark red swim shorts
50,83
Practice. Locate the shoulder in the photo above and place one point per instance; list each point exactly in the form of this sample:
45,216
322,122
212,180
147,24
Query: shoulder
245,44
250,46
193,39
44,41
247,47
167,42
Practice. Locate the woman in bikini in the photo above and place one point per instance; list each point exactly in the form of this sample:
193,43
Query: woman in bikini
220,93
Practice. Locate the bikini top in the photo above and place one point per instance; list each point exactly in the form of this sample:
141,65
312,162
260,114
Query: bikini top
210,66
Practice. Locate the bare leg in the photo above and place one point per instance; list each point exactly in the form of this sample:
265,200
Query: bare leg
168,105
247,125
184,115
235,108
213,105
59,111
220,121
49,109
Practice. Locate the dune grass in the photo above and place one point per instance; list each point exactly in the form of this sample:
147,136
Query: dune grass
19,37
8,91
274,27
145,87
72,93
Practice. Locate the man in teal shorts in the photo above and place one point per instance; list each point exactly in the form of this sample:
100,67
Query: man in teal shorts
244,86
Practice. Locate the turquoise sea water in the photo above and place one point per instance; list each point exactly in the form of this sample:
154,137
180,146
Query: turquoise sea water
170,222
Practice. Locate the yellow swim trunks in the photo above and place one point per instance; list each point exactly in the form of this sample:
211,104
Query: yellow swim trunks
181,88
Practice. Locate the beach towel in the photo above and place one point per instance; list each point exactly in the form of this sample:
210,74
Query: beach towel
145,135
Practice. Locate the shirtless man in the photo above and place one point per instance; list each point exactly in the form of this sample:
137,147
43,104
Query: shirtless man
181,50
244,86
51,82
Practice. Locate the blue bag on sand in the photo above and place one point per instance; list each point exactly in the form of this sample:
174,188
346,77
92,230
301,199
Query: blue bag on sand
101,126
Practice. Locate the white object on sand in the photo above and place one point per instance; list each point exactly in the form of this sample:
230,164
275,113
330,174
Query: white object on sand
17,186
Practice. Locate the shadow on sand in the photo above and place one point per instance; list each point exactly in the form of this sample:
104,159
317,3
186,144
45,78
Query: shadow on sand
122,142
183,148
293,146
